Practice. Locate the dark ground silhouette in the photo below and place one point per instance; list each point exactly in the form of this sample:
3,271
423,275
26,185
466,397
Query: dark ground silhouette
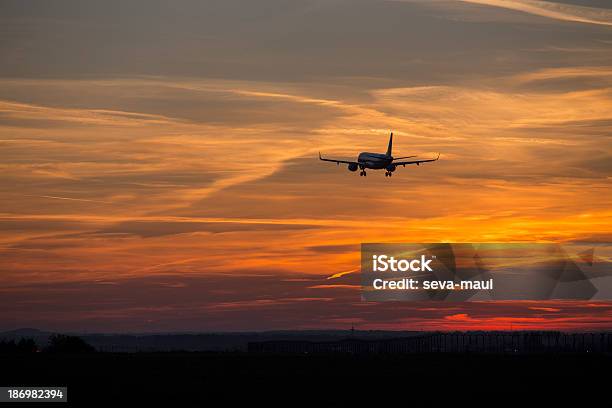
433,379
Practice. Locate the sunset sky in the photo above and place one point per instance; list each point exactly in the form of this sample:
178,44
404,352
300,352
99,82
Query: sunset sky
160,164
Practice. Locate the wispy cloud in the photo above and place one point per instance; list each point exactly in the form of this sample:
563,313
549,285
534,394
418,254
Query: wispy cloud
341,274
73,199
557,11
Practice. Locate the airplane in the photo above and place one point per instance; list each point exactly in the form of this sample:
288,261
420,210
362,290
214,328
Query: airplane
377,161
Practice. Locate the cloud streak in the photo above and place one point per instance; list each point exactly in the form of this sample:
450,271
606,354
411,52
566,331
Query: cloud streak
557,11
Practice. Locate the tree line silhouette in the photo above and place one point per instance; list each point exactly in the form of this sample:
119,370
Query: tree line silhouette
58,343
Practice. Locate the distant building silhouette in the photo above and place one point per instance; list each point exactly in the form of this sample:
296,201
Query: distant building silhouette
453,342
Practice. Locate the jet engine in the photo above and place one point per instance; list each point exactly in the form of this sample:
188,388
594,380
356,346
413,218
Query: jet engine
391,168
353,167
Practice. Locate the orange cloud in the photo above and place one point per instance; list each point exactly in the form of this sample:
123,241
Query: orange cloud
112,191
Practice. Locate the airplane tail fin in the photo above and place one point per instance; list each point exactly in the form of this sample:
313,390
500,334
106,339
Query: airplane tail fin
390,145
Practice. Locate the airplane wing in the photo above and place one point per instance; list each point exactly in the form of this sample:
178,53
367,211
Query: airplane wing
417,162
337,161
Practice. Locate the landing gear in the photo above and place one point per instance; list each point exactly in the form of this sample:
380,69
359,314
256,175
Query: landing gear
363,173
388,174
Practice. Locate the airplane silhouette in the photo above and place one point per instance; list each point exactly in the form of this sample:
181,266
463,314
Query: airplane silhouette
378,161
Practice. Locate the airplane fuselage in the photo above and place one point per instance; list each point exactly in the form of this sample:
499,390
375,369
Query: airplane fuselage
369,160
